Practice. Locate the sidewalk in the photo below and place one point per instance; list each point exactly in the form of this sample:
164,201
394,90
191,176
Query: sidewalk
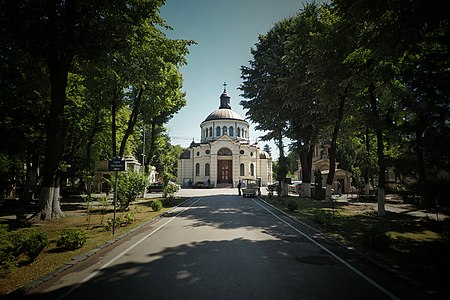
394,204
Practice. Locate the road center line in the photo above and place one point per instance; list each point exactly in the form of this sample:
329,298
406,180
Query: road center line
344,262
93,274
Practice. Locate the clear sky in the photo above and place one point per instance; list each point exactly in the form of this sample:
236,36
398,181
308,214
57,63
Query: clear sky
224,31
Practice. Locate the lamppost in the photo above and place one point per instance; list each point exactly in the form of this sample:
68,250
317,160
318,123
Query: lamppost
143,160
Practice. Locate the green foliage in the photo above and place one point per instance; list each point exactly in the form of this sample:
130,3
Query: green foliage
35,244
104,205
14,244
133,63
121,220
71,238
130,186
156,205
171,189
292,205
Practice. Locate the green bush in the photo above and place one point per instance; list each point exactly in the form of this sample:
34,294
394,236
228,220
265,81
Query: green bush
130,186
171,189
71,238
128,218
14,244
376,239
292,205
8,257
121,220
35,244
156,205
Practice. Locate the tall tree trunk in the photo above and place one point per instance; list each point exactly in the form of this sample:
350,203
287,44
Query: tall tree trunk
59,60
306,155
49,206
282,164
380,151
367,170
131,122
332,152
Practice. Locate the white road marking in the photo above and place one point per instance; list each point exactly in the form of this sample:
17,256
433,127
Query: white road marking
93,274
344,262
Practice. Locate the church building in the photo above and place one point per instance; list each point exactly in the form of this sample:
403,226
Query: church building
224,155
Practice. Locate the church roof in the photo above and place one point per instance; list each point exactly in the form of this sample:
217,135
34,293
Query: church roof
186,154
224,113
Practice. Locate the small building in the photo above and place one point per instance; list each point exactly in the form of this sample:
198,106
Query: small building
321,162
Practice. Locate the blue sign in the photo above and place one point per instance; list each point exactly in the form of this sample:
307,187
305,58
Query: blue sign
116,164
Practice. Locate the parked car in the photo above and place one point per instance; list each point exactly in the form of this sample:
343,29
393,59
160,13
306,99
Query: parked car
295,187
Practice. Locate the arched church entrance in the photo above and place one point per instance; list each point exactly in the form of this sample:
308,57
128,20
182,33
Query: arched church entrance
224,166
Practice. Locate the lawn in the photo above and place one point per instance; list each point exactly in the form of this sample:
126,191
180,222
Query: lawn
417,247
93,219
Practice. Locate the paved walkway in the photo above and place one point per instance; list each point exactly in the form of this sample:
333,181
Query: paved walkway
396,205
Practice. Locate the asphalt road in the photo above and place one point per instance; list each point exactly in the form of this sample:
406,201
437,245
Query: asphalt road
225,247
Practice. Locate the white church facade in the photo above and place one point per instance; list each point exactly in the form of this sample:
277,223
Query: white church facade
224,155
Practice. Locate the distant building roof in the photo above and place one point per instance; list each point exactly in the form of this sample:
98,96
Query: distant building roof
186,154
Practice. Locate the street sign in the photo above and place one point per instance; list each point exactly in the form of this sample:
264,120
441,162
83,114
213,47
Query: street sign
116,164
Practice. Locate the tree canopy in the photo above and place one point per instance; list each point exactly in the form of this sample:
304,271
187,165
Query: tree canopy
71,67
366,77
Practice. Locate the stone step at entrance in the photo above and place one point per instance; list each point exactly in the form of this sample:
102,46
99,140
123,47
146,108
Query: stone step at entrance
224,185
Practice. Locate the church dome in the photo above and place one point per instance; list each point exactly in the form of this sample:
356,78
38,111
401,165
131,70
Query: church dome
224,114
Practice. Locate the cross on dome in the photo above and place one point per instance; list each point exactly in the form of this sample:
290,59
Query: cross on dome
224,86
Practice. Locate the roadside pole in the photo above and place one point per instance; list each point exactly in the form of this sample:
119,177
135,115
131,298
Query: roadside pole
115,201
116,164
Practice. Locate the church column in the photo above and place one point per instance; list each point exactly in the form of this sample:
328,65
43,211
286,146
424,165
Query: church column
236,168
213,169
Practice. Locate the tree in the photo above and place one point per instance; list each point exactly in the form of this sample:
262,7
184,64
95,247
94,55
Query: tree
308,112
267,149
261,86
24,97
386,34
56,32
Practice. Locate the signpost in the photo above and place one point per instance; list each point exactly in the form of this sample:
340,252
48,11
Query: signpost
116,164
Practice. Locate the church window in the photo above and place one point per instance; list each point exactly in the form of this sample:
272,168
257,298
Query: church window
224,130
198,153
238,132
206,169
224,152
210,131
241,152
207,151
242,170
231,131
217,131
197,169
206,133
251,153
252,170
